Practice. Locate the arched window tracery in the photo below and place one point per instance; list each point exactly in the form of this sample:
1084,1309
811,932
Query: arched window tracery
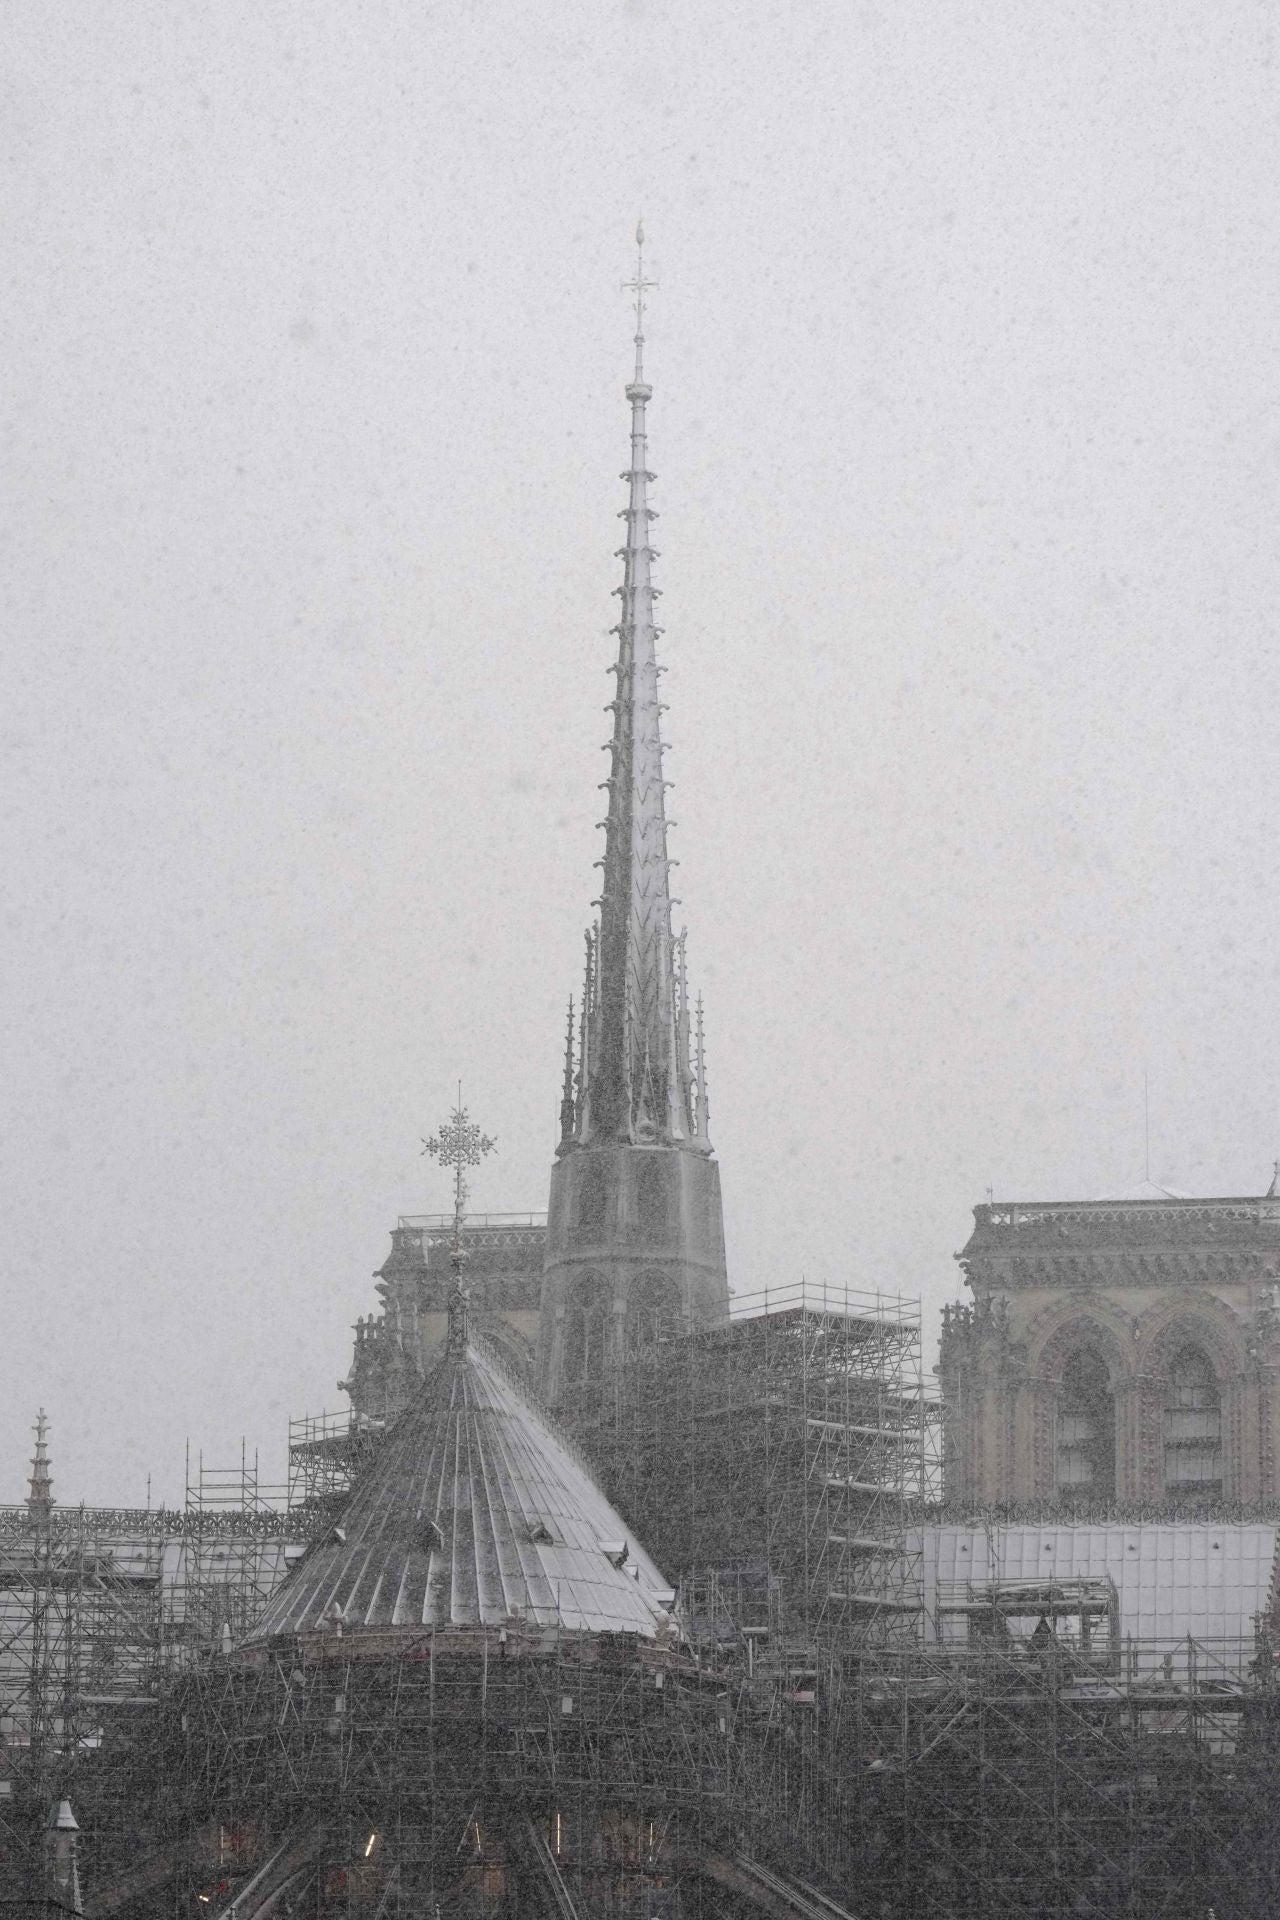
587,1325
1085,1463
1193,1427
654,1311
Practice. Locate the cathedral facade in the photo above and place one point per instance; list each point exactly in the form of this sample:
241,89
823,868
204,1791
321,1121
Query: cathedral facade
1116,1352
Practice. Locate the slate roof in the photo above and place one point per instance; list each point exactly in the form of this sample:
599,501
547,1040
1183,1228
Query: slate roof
475,1509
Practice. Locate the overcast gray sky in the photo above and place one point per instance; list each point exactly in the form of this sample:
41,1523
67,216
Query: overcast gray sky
965,362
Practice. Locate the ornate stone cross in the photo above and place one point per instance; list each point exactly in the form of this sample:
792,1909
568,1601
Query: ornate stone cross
459,1143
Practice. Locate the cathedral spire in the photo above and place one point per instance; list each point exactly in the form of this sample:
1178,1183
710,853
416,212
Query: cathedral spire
635,1073
635,1215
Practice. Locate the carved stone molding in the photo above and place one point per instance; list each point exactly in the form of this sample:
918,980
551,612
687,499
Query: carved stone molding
1059,1330
1193,1318
1024,1272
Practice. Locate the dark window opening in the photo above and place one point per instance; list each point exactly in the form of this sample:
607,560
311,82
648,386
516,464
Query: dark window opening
1086,1463
1193,1428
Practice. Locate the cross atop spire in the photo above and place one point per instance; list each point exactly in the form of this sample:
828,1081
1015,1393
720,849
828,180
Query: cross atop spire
639,286
458,1144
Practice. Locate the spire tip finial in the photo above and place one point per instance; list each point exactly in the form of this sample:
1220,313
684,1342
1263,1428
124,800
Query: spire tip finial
639,287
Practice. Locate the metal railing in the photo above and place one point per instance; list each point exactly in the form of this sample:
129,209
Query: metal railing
439,1222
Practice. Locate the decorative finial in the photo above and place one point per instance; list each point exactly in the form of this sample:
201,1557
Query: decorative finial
568,1105
62,1870
458,1144
1273,1191
700,1069
639,286
40,1483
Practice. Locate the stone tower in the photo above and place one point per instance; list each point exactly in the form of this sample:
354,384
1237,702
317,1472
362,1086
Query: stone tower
1116,1353
635,1234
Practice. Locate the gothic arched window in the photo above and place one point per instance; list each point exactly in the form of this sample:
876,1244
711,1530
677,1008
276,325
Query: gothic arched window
1086,1451
592,1196
587,1319
1192,1427
654,1311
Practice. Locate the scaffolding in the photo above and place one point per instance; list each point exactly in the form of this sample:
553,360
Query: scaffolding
810,1738
771,1463
495,1771
100,1609
1047,1775
237,1541
327,1453
1030,1762
82,1645
1011,1753
1027,1758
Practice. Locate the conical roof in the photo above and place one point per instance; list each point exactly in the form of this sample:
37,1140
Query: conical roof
475,1510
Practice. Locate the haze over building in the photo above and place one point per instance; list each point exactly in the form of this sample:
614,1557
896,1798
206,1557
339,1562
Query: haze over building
709,1638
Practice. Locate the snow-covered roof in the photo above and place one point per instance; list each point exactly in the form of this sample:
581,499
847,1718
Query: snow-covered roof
475,1510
